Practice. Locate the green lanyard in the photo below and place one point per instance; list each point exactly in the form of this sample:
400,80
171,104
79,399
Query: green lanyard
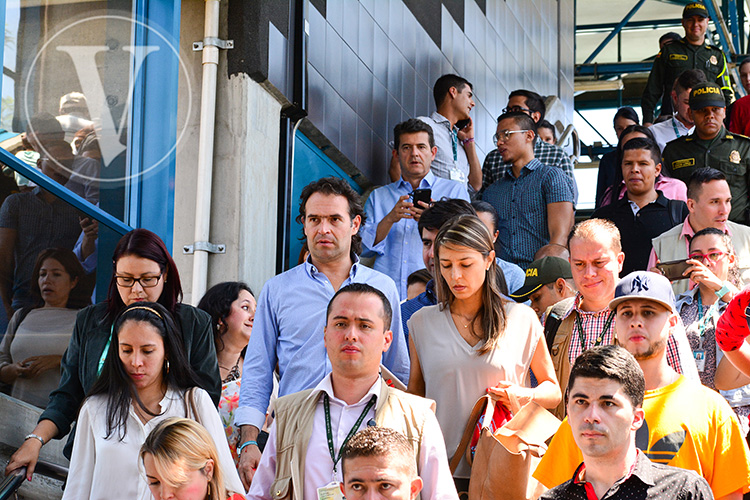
327,407
103,358
599,339
454,144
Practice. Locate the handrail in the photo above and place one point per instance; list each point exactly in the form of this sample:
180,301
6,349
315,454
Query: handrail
15,479
63,193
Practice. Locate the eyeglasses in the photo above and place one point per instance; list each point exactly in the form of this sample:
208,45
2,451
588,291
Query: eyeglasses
711,256
144,281
514,109
504,135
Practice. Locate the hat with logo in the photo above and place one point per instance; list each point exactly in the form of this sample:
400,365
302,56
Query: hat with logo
644,285
541,272
694,9
706,94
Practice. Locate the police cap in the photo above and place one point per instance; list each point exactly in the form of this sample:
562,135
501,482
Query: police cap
706,94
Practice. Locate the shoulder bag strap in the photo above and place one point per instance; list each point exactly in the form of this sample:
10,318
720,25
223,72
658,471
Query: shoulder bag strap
484,404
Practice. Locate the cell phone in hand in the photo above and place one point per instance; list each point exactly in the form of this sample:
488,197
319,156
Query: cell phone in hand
462,123
424,195
673,269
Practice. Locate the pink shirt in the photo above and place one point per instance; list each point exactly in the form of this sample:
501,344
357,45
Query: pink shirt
671,188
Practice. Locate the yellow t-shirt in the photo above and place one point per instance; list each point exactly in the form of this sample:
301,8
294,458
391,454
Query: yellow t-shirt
687,425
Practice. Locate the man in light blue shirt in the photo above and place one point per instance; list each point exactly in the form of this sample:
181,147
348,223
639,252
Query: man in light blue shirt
390,234
291,313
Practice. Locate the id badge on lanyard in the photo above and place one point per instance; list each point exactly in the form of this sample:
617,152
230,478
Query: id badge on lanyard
455,173
330,491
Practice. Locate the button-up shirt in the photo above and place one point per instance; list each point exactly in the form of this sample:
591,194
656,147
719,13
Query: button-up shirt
288,330
669,130
446,138
400,253
432,463
549,154
644,480
521,203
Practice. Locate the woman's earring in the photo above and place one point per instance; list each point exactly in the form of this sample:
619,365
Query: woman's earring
166,366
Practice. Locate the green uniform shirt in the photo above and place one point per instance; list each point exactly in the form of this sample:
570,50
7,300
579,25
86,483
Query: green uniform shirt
729,153
672,61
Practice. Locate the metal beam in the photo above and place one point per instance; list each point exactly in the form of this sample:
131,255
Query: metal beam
731,9
657,23
593,127
726,42
615,31
606,70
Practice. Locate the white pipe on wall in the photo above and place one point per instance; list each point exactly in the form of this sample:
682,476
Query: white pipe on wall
205,149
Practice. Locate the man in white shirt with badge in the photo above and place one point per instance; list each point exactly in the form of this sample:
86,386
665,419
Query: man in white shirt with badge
681,123
302,458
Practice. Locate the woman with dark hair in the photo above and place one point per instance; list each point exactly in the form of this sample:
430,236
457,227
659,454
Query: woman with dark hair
37,336
145,379
232,308
474,341
142,270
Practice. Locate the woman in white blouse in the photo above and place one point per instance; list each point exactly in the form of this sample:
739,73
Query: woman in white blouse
475,342
145,379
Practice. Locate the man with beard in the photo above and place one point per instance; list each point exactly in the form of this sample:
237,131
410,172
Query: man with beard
686,424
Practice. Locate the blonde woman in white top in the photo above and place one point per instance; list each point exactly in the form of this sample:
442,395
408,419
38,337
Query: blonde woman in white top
474,341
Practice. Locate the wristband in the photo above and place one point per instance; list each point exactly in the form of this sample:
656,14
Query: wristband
246,443
723,290
34,436
467,141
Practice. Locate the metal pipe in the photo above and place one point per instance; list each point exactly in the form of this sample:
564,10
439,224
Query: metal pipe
205,149
614,32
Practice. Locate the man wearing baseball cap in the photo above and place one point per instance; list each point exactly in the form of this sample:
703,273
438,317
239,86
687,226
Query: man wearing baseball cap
710,145
548,281
686,424
690,52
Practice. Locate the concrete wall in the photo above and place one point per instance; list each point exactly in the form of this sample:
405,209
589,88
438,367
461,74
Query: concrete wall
245,170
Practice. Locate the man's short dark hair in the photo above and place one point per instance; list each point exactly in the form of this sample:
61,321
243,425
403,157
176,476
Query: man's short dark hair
645,145
534,101
670,36
610,362
362,288
444,84
412,126
701,176
339,187
688,79
381,442
519,118
744,61
485,207
419,276
441,212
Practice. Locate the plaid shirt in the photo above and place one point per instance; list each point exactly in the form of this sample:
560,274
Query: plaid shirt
593,324
554,156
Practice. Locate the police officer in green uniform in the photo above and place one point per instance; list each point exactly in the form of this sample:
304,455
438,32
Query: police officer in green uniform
690,52
710,145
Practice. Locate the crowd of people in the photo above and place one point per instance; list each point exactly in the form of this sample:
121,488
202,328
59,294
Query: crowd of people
354,374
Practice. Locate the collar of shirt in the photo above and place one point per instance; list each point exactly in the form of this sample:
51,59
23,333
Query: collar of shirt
441,119
532,165
326,385
313,271
707,143
576,307
688,232
427,182
640,469
660,200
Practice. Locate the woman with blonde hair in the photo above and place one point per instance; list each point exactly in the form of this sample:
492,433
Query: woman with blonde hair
474,341
180,461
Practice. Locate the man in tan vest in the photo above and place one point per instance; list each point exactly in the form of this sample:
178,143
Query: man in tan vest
302,458
576,324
